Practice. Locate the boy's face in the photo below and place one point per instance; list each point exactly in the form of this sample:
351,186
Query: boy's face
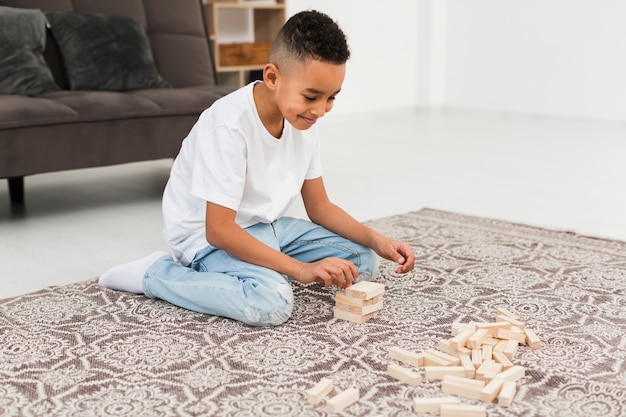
306,91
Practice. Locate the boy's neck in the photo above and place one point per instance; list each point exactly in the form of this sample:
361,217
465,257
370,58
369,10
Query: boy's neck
270,115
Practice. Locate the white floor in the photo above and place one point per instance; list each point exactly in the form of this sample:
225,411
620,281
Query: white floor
555,173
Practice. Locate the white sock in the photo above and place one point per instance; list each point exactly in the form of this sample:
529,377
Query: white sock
129,276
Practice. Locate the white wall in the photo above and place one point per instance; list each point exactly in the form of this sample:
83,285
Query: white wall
549,57
381,73
561,58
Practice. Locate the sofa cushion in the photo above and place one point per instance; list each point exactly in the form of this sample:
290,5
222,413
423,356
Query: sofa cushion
63,107
103,52
23,69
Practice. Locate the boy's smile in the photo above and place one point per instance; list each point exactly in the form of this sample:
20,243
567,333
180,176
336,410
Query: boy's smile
302,93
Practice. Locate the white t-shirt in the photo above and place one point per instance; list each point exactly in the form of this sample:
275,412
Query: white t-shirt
230,159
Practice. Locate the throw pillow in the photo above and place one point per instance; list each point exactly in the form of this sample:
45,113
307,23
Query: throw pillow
23,69
103,52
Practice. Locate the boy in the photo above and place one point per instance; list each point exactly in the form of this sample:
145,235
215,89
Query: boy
240,167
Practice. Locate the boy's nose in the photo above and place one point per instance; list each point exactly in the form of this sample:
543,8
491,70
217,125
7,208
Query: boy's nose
320,110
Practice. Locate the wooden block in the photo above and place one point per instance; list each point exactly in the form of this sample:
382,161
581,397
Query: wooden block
320,390
477,357
487,351
532,340
434,360
499,347
494,324
514,373
511,320
460,339
406,356
504,312
342,400
458,410
491,390
342,298
505,398
361,310
462,327
452,360
476,340
403,374
509,335
356,318
365,290
444,346
501,358
510,349
466,363
464,387
490,341
492,371
431,405
438,372
482,369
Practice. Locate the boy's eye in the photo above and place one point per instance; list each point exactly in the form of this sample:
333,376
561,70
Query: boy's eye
307,98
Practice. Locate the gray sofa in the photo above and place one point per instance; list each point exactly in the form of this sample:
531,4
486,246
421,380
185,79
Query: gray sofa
74,128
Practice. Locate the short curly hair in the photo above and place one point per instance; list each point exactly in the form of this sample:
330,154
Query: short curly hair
310,35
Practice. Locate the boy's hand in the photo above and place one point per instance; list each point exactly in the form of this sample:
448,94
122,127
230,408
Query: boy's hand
329,271
399,252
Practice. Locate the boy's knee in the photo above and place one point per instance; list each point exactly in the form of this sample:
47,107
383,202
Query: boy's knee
270,307
369,265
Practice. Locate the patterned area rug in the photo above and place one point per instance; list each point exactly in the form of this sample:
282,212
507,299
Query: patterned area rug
79,350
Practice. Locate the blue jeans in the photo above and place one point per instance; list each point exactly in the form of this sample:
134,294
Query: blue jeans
219,284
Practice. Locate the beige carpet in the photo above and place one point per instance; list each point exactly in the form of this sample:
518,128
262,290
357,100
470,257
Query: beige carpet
79,350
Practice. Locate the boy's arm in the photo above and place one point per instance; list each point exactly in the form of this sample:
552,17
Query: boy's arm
222,232
322,211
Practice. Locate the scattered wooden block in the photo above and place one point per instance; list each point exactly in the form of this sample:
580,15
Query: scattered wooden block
320,390
511,320
404,375
431,405
342,400
492,371
438,372
460,339
491,390
477,357
365,290
501,358
487,351
466,363
464,387
505,397
462,327
504,312
482,369
475,341
494,325
406,356
444,346
451,360
532,340
509,335
514,373
458,410
355,318
510,349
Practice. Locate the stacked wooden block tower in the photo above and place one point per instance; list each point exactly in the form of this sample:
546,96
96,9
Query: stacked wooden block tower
359,302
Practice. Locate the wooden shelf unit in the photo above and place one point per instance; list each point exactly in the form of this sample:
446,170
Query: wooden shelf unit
266,17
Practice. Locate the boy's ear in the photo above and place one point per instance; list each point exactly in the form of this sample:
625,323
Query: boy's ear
270,75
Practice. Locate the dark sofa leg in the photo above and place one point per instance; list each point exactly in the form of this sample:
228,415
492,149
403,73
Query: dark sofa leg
16,189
